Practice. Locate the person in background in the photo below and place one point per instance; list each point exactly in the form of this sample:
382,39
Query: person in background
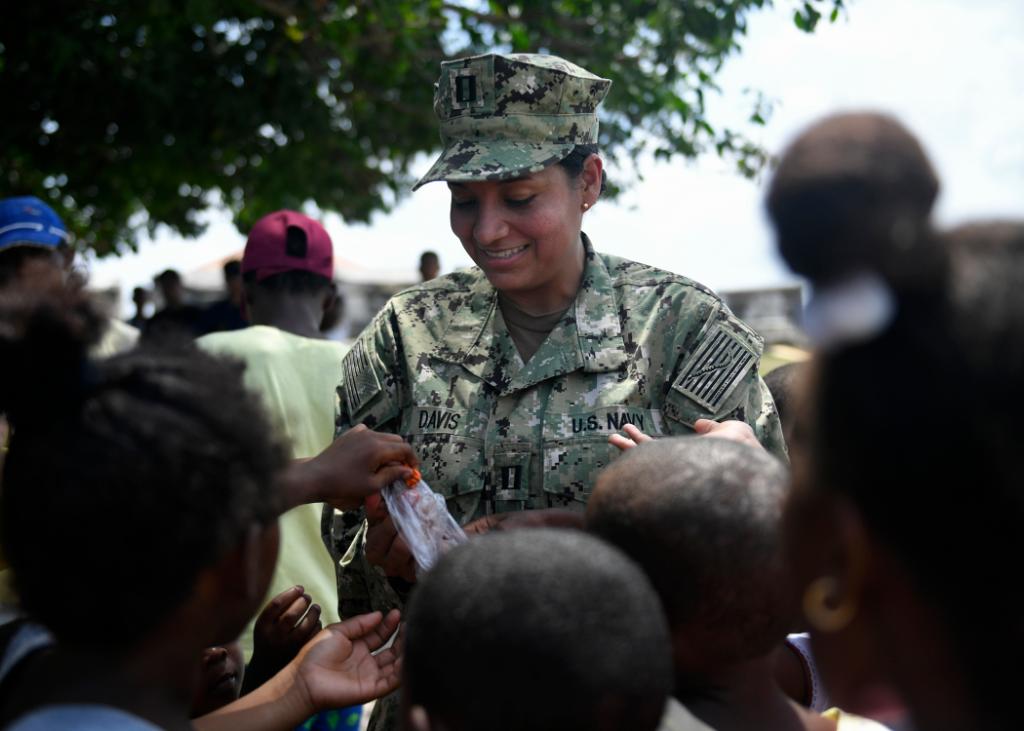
430,266
333,325
140,298
539,628
286,269
177,318
33,240
35,256
228,313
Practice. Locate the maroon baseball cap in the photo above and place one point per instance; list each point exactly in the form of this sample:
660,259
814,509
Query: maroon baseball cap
286,241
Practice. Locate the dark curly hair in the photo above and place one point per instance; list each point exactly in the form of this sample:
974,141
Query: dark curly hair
125,477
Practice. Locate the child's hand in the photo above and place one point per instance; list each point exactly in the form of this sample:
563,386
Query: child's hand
281,630
338,667
735,431
633,437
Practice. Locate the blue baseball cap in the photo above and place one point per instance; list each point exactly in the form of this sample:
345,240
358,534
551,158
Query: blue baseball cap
27,221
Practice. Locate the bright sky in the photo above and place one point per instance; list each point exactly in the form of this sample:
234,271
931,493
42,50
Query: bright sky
950,69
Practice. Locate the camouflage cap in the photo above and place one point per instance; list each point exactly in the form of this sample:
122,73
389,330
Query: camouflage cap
503,116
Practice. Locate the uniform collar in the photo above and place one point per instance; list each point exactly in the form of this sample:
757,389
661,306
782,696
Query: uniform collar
589,337
598,330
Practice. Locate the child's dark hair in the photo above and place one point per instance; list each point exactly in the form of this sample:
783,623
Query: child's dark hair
944,492
703,519
294,282
124,477
854,192
573,163
545,629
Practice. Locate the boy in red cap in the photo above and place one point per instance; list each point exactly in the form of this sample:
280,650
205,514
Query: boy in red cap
287,270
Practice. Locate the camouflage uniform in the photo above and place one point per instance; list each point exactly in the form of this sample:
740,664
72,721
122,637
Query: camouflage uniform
438,366
639,346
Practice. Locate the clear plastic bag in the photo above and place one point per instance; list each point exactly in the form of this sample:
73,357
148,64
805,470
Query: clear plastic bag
423,520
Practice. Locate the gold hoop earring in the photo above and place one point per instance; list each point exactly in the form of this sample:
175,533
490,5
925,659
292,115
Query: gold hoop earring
820,613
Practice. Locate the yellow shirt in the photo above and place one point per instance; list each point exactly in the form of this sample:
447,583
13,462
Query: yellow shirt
849,722
296,378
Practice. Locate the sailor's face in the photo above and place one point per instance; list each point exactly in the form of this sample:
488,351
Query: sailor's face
523,233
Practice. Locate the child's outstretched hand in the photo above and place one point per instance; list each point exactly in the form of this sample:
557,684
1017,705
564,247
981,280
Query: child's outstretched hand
338,667
287,623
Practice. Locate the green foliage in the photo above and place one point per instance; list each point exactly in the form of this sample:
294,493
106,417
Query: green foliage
131,114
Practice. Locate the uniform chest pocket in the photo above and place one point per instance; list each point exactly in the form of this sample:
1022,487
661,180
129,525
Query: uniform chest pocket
571,467
451,456
576,448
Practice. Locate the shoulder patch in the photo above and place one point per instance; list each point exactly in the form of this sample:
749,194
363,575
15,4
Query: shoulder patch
714,370
361,382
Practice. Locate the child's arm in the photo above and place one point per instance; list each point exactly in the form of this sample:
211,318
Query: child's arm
358,463
338,668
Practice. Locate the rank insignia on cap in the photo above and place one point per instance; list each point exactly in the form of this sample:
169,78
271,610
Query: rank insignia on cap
467,91
714,370
361,383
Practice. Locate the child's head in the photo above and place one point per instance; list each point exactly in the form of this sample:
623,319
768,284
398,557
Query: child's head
844,190
702,517
539,629
133,485
222,672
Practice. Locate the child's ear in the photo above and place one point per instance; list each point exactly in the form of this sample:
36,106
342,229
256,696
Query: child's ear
330,297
